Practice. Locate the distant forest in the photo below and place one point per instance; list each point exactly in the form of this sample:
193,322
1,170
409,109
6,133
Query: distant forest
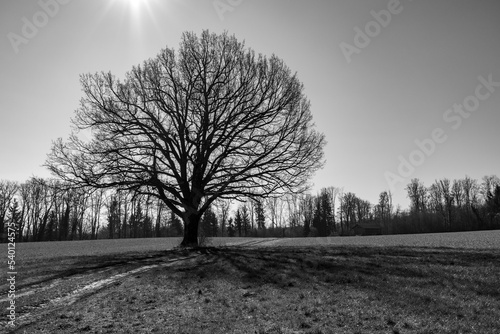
46,209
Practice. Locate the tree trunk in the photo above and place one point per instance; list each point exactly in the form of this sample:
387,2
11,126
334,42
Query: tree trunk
191,223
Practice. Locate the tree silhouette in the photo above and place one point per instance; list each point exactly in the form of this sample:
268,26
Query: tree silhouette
212,120
259,212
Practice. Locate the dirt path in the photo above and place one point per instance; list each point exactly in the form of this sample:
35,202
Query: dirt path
38,300
251,289
44,291
46,285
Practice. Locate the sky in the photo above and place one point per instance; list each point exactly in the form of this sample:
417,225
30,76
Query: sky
401,89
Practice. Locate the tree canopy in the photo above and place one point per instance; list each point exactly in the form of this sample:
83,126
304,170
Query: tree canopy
211,120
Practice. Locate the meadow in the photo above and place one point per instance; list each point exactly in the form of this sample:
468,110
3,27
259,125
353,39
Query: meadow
429,283
41,250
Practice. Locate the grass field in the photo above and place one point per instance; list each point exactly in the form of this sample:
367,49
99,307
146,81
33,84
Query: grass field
47,250
348,285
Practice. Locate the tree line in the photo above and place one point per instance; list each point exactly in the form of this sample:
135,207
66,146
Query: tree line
458,205
48,209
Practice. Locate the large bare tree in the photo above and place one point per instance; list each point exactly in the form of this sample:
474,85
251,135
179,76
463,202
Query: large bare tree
211,120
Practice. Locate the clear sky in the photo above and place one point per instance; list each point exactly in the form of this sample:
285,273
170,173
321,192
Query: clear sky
381,76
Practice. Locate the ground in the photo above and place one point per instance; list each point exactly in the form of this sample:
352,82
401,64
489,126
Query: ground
241,289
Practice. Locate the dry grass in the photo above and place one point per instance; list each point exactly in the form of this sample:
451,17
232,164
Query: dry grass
56,249
291,290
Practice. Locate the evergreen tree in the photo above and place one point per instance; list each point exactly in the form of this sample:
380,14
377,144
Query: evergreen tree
230,228
136,221
259,213
209,223
317,214
323,217
113,217
327,220
64,220
147,226
245,219
493,205
307,228
238,222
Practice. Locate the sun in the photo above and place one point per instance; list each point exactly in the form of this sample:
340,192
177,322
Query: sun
136,14
135,4
135,8
131,5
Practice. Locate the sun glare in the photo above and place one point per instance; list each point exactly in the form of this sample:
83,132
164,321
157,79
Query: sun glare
135,4
136,8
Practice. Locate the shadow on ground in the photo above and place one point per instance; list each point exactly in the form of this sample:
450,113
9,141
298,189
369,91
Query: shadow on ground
290,290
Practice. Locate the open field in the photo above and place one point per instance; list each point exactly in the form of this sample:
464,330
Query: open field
40,250
442,283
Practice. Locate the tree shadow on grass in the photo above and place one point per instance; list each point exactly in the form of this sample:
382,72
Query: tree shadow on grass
315,265
311,289
431,279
